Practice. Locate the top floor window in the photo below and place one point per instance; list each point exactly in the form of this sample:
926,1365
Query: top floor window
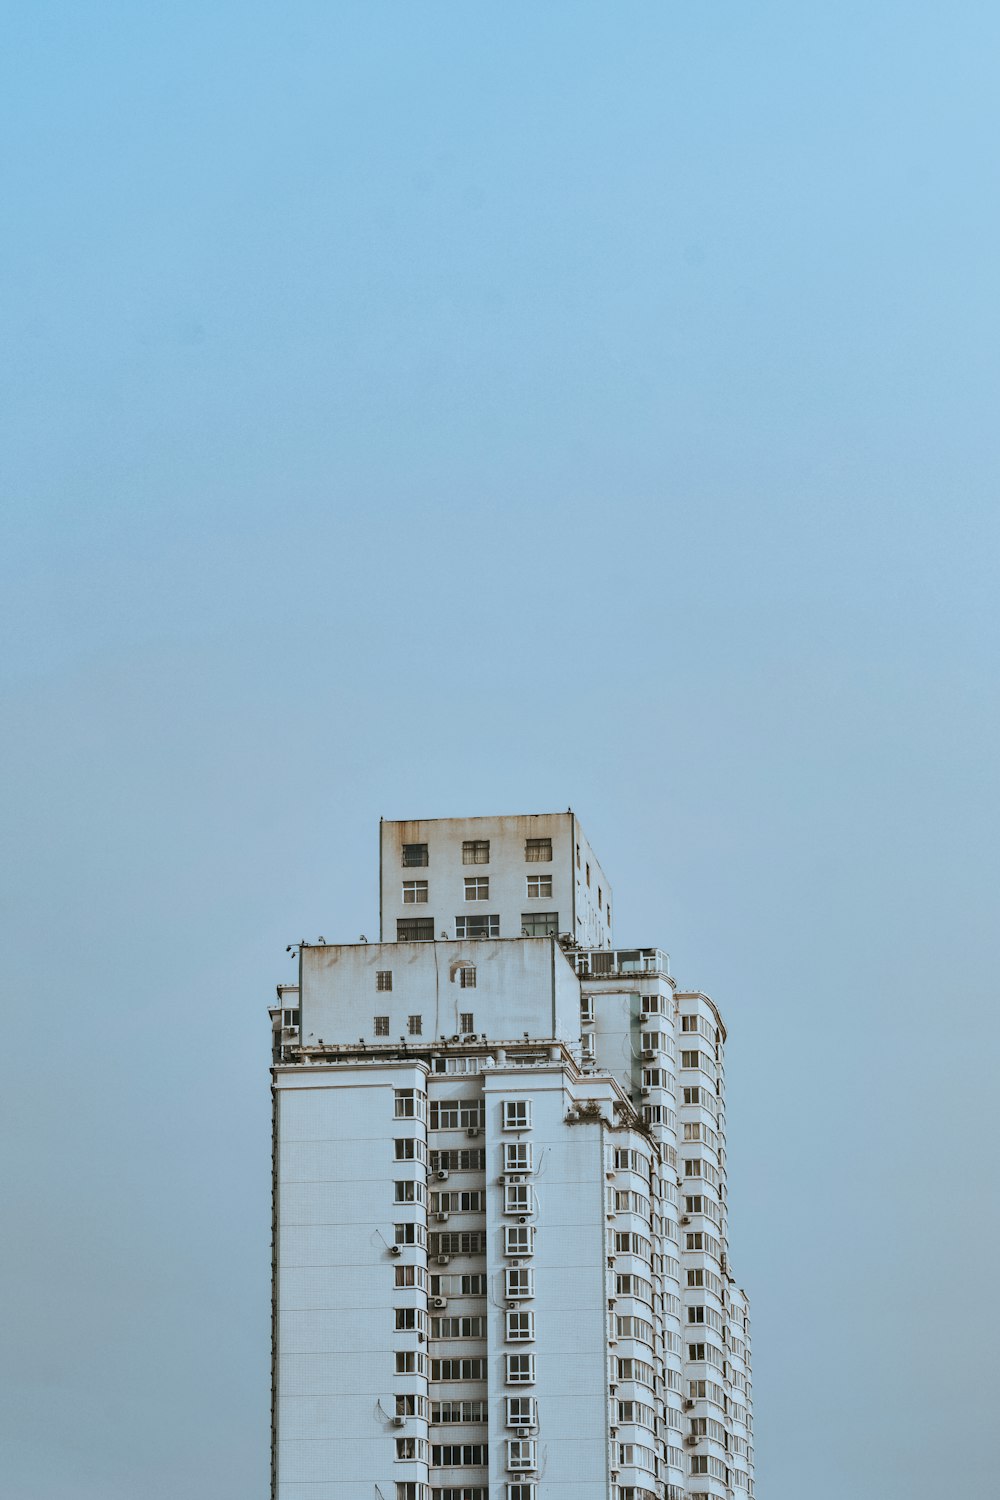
415,854
537,851
475,851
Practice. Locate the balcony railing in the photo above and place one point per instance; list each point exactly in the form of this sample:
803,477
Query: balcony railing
595,963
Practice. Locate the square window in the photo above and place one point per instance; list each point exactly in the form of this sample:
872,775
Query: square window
517,1156
477,888
519,1327
476,852
467,978
414,1025
516,1114
478,927
414,929
518,1198
414,892
539,885
519,1282
381,1025
539,924
466,1022
521,1411
414,855
519,1240
383,979
537,851
521,1453
519,1369
522,1491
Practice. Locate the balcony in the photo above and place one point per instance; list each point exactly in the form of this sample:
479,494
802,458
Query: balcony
599,963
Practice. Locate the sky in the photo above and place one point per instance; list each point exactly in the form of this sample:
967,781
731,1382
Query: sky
436,409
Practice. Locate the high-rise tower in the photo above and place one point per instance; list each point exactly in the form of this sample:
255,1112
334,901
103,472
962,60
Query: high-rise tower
501,1259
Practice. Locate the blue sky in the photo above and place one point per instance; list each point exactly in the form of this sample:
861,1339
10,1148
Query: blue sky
434,409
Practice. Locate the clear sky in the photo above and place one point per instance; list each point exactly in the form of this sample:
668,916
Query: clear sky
432,409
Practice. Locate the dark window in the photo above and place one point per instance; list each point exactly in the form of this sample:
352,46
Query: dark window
414,929
476,852
478,926
537,851
414,1025
467,1021
381,1025
467,981
415,854
383,979
539,923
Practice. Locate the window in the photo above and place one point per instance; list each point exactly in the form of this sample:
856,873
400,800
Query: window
414,854
607,914
521,1411
414,929
517,1156
520,1327
587,1008
478,926
414,1025
443,1412
458,1455
458,1328
539,923
467,978
409,1362
699,1463
410,1234
588,873
692,1096
521,1453
689,1023
458,1369
383,979
408,1148
409,1104
516,1114
410,1276
692,1166
457,1114
476,852
519,1369
477,888
461,1201
519,1239
381,1025
537,851
522,1491
519,1282
411,1447
690,1059
600,899
410,1490
518,1198
410,1192
696,1315
414,892
539,885
466,1020
411,1318
696,1277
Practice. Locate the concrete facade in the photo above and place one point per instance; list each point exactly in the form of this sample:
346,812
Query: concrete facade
501,1263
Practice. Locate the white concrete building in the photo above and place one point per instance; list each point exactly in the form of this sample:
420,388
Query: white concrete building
501,1262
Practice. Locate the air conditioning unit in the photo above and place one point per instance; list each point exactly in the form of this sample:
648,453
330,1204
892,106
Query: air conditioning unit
692,1440
456,1037
501,1179
442,1217
522,1432
689,1405
685,1218
395,1249
399,1421
439,1302
444,1260
472,1131
644,1092
522,1219
441,1174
